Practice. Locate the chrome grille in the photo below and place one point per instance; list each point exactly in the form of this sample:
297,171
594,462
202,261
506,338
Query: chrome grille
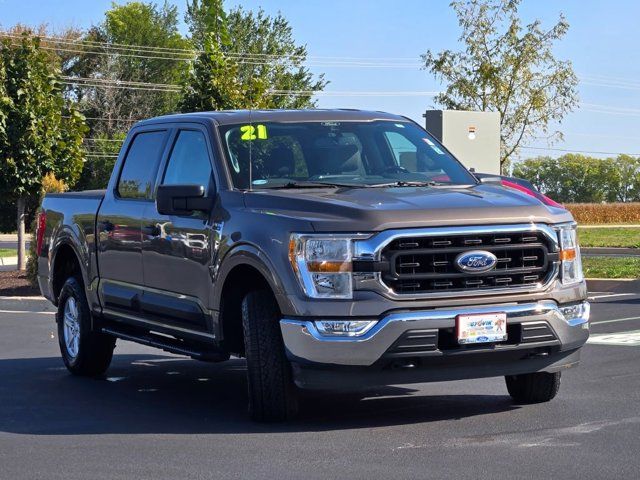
426,264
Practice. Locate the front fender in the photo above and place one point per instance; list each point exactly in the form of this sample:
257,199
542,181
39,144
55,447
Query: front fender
253,256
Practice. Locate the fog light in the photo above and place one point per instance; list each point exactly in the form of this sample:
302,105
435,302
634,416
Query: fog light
576,314
344,328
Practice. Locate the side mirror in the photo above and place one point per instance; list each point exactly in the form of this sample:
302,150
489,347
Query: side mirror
182,199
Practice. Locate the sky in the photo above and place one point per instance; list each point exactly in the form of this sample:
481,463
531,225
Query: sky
602,44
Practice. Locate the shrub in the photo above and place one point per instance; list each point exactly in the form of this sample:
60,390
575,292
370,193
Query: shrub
602,213
50,184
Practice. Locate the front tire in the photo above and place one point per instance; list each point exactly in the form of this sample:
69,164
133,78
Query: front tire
536,387
272,395
84,352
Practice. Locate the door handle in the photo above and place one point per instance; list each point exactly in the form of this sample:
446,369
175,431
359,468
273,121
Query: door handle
151,230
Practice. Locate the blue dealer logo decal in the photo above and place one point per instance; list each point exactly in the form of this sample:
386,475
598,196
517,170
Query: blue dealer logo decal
476,261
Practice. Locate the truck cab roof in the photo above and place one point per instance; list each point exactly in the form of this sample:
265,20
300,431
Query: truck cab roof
228,117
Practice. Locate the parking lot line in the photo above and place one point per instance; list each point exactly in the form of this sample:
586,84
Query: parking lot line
27,311
595,297
615,320
626,339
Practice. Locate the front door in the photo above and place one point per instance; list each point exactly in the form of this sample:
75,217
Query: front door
178,249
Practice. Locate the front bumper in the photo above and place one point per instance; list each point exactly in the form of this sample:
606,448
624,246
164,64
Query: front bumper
532,327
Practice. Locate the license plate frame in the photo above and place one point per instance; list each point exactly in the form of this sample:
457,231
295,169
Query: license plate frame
481,328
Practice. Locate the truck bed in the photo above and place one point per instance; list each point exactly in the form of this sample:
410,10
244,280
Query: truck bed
70,219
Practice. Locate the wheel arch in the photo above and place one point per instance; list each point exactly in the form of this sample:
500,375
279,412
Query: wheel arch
65,262
246,268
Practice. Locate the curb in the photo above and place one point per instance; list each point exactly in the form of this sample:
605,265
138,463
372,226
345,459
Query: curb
8,261
20,298
617,285
610,251
610,225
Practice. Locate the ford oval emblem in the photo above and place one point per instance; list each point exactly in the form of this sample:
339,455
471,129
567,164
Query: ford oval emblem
476,261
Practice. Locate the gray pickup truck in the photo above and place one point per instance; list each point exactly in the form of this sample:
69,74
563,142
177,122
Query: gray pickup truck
330,248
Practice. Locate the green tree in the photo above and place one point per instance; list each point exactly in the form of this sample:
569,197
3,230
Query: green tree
578,178
213,83
101,156
157,54
508,68
259,50
207,17
41,133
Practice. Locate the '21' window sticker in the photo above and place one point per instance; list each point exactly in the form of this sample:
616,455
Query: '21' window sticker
253,132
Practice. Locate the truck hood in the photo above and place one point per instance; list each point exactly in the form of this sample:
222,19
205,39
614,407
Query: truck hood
375,209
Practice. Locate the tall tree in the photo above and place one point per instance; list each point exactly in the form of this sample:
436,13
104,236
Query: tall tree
40,132
207,17
508,68
260,49
136,42
213,83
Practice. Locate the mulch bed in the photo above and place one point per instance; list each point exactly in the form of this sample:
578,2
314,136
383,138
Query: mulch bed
15,283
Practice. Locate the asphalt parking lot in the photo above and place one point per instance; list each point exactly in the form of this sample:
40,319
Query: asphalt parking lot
161,416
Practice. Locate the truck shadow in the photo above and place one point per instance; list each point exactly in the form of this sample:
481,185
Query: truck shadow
168,394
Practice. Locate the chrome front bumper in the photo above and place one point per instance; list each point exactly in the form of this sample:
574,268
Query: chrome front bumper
305,343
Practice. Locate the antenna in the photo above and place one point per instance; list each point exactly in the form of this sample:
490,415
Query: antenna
250,145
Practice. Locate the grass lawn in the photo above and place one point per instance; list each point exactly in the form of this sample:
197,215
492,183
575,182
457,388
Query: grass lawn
609,237
8,252
611,267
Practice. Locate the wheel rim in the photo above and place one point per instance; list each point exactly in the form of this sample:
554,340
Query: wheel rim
71,327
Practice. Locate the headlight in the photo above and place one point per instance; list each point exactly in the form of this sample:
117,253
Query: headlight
323,264
571,266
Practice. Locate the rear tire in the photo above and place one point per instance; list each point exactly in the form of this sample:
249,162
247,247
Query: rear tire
533,387
84,352
272,394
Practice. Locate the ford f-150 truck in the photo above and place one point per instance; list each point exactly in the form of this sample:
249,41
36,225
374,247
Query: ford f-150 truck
330,248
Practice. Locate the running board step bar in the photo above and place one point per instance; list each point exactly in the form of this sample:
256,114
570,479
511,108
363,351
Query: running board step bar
168,344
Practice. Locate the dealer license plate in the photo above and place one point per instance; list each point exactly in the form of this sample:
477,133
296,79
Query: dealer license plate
481,328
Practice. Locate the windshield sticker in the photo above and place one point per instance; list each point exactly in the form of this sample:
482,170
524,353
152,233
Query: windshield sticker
433,146
330,124
253,132
260,182
399,125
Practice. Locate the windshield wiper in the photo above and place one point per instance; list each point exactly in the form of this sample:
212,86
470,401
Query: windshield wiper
312,184
407,183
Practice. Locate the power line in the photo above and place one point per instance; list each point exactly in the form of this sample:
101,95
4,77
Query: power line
119,86
612,81
579,151
165,87
599,135
107,119
102,140
191,52
256,59
121,83
608,107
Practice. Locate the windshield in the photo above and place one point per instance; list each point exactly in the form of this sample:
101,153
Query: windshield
359,154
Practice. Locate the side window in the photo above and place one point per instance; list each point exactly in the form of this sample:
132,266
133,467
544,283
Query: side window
140,165
189,161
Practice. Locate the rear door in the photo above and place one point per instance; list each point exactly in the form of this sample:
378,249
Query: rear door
178,249
119,220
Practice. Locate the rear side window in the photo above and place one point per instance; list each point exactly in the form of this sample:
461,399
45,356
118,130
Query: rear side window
189,161
140,165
